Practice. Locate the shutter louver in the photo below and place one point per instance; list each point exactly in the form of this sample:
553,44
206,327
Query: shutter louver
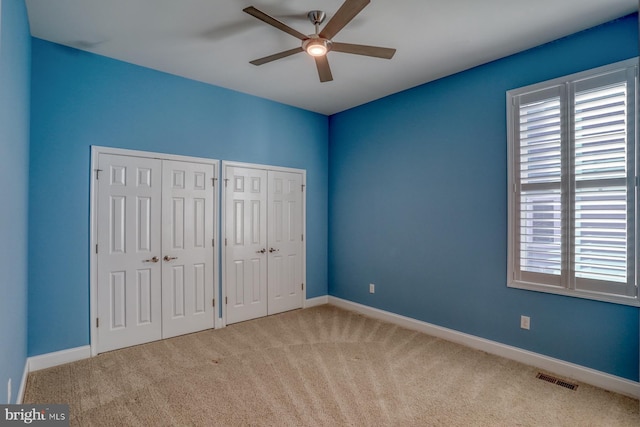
541,232
600,133
600,234
540,134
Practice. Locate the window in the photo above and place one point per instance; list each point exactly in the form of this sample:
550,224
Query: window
573,185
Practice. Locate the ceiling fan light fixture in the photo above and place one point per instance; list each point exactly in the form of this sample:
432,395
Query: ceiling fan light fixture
316,46
317,50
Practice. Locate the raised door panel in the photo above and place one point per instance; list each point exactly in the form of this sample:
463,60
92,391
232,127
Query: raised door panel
128,230
187,236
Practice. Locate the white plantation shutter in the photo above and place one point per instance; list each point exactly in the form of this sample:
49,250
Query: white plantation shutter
573,185
603,173
540,122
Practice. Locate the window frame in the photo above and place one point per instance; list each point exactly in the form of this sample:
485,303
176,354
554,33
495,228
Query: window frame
567,283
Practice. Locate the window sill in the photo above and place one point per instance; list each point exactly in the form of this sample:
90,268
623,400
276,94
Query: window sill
615,299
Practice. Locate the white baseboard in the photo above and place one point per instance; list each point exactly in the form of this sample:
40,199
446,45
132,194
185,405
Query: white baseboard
312,302
50,360
550,364
23,382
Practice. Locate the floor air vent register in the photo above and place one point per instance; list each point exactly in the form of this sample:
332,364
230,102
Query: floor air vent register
556,381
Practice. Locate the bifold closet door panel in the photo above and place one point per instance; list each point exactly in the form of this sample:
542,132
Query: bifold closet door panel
284,235
246,243
187,247
128,251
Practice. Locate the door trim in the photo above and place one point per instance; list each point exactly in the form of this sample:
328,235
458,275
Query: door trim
93,230
303,172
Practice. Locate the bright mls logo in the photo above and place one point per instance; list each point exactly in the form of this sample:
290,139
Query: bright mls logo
36,415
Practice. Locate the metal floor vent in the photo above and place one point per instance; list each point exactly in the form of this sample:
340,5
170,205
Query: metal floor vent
557,381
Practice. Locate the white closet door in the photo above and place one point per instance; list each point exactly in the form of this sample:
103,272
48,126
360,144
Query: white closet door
246,243
285,241
187,247
128,237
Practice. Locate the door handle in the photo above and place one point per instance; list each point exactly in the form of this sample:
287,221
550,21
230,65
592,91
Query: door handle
263,250
154,259
274,250
169,258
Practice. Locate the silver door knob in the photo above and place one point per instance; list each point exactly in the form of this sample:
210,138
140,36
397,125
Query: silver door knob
273,250
169,258
263,250
154,259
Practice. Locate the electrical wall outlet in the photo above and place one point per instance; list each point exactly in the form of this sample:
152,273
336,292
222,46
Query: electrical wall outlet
9,392
525,322
372,288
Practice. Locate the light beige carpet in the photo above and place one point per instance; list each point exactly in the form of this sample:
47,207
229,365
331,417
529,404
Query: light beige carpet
321,366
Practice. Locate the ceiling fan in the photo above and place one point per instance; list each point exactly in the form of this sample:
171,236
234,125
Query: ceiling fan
320,43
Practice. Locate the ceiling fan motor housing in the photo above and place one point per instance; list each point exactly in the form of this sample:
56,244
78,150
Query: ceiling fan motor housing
316,17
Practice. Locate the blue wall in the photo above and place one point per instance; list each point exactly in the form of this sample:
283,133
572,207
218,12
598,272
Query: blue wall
80,99
418,206
15,63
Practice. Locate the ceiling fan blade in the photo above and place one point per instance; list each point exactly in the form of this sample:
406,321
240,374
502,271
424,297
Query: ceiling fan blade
324,72
360,49
344,15
275,56
274,22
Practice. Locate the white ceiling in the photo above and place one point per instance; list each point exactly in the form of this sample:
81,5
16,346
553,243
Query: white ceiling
213,40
